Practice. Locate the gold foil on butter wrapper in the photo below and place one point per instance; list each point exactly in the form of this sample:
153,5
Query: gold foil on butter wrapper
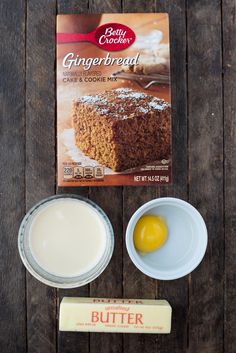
115,315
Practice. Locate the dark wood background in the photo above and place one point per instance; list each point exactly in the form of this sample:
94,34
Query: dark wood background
203,53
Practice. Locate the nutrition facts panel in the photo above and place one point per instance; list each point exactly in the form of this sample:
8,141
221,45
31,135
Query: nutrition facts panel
79,172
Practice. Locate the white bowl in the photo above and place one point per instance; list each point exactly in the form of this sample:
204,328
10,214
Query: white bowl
39,272
186,243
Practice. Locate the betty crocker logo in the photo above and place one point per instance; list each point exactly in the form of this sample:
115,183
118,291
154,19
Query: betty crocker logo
110,36
114,36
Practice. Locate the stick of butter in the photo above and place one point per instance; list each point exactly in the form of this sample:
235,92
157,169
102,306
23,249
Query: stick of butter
115,315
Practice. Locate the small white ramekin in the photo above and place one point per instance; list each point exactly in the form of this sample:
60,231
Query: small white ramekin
48,278
186,243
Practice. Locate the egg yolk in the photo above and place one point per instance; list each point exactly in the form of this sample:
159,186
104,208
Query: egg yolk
150,233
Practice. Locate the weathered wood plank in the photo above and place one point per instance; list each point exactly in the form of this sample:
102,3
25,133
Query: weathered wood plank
73,342
12,183
229,60
206,293
82,191
105,6
139,6
40,157
177,18
206,171
72,6
176,292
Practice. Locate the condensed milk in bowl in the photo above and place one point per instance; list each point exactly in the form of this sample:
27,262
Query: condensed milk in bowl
66,241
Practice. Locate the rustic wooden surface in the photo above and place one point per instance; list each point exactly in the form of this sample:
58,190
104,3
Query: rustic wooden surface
203,53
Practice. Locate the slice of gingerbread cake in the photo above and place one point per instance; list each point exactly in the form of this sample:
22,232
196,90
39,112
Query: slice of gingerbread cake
122,128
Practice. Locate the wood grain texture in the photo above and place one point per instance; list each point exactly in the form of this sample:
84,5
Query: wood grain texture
105,6
204,159
40,157
72,6
73,342
176,291
206,171
139,6
12,188
229,81
82,191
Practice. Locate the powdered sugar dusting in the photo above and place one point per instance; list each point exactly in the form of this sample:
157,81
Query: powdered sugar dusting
123,103
143,110
134,95
103,110
123,90
155,104
93,99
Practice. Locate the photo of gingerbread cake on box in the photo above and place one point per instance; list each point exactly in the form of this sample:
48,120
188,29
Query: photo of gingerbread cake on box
122,128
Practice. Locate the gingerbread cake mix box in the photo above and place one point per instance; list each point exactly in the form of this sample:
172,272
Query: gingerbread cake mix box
113,99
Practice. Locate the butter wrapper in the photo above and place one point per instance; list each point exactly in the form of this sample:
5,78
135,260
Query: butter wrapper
115,315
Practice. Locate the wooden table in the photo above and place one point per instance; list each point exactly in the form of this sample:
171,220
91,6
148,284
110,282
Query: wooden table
203,52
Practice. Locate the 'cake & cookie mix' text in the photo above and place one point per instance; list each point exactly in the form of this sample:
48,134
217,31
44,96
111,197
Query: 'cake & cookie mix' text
113,99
